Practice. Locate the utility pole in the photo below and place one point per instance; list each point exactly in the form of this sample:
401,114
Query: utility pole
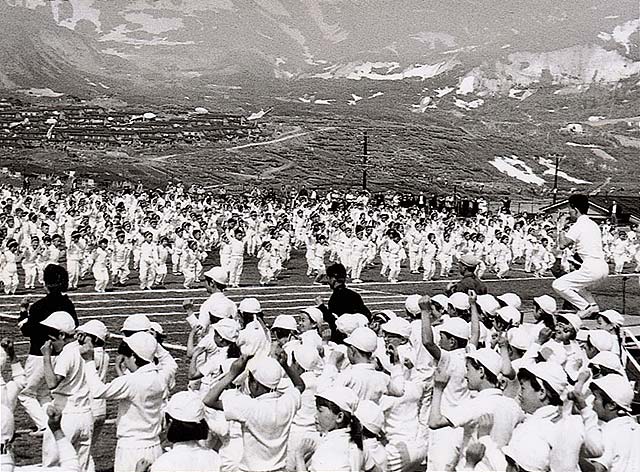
555,180
364,162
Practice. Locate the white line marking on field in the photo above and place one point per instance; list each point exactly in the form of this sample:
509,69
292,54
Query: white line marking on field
258,288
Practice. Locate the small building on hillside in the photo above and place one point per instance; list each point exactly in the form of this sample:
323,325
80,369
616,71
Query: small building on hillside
622,210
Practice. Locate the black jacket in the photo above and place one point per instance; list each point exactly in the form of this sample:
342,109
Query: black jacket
38,312
343,300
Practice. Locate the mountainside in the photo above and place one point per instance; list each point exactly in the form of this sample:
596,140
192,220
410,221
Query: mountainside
50,43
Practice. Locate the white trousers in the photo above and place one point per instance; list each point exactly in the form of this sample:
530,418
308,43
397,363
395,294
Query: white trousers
35,392
127,456
445,445
235,270
573,287
78,428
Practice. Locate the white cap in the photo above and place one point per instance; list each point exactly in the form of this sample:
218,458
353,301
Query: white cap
266,371
389,314
610,360
143,344
553,374
157,327
60,321
363,339
95,328
285,322
307,356
218,274
456,327
510,299
411,304
441,299
250,305
546,303
602,340
530,452
348,322
613,317
519,338
489,359
186,406
573,319
459,300
553,351
488,303
8,428
618,388
315,314
399,326
228,329
343,397
509,314
370,416
582,335
137,322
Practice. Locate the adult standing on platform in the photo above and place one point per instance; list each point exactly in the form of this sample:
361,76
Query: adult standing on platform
585,237
56,282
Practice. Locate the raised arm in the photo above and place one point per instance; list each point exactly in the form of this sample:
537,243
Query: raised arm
427,330
474,337
50,376
212,398
298,383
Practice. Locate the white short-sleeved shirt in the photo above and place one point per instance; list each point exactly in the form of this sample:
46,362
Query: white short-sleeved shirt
365,381
401,413
141,395
219,305
336,453
187,457
456,391
506,414
587,237
72,393
265,423
621,438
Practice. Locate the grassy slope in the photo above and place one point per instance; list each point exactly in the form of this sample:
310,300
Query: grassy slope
408,151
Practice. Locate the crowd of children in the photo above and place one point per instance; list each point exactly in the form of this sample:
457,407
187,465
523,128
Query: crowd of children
465,381
107,234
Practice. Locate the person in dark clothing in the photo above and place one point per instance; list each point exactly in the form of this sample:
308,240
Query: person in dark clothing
343,300
56,281
469,280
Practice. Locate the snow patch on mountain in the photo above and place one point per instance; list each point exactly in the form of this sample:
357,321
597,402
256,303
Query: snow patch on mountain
551,170
574,67
516,168
434,39
441,92
382,71
621,34
469,105
121,34
41,92
466,85
153,25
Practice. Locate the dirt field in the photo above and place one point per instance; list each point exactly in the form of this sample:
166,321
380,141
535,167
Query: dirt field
293,292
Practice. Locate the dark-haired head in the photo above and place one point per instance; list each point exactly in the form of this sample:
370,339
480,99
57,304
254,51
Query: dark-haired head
183,431
56,278
126,351
580,202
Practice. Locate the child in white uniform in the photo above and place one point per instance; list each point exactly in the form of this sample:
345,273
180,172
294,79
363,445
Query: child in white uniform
338,450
